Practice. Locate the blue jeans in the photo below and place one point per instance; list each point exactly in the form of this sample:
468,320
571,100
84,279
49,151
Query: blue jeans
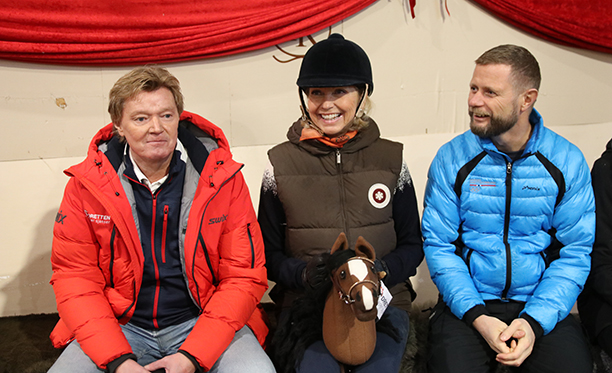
387,354
244,354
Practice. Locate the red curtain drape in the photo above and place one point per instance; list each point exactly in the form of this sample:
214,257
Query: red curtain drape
580,23
126,32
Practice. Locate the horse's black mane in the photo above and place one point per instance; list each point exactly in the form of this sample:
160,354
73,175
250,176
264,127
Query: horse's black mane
301,325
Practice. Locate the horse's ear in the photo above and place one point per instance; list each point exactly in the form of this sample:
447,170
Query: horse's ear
340,244
363,248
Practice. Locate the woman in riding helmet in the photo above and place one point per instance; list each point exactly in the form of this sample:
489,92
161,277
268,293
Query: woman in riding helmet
335,174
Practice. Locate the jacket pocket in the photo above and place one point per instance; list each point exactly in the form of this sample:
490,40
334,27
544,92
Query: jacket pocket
251,244
164,232
112,257
468,258
121,304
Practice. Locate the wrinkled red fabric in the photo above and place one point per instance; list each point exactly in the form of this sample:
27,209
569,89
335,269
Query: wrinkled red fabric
128,32
579,23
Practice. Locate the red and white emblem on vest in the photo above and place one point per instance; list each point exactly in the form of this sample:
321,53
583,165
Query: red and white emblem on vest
379,195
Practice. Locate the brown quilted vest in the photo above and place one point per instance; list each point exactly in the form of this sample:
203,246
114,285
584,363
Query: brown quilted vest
325,191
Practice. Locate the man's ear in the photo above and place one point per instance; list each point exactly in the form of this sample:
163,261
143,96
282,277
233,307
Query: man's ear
529,98
118,129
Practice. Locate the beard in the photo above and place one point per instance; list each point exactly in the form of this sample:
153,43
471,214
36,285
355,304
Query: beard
497,125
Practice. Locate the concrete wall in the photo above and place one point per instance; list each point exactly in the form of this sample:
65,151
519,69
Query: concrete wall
422,68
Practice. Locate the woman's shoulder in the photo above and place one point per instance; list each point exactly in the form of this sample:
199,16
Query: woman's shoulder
282,148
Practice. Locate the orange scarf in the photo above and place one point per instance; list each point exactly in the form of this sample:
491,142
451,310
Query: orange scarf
309,133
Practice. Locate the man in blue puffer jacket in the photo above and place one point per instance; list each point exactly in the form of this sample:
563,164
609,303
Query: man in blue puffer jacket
509,224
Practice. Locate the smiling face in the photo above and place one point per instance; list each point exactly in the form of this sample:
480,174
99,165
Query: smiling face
332,109
149,124
493,103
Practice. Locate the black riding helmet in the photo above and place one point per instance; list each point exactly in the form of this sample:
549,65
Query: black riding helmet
335,62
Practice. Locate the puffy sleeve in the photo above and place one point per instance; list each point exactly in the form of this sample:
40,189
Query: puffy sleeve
78,282
441,224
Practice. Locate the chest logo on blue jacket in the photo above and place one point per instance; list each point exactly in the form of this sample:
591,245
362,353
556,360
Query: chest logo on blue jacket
379,195
220,219
477,184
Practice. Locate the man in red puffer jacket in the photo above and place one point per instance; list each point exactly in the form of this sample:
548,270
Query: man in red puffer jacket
158,260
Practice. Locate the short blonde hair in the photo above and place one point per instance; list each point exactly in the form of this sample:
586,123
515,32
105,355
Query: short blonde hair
525,73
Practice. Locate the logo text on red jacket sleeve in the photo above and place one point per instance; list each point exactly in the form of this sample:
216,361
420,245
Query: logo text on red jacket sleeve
59,217
220,219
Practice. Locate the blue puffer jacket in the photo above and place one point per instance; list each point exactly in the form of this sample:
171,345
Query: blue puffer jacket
525,229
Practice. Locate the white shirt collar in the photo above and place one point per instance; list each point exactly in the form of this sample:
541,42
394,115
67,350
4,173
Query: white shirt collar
145,180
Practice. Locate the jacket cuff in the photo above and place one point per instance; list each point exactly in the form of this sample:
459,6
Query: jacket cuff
193,360
112,366
474,313
381,266
535,326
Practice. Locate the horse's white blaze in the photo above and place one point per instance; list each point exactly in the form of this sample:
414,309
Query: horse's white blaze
358,269
368,299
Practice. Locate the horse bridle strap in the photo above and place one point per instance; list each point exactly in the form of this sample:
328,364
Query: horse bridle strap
347,297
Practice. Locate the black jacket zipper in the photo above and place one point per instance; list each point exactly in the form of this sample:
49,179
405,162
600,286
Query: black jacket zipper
342,193
252,246
506,230
112,257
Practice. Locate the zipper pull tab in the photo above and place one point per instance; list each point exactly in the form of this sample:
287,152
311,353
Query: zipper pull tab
338,158
508,168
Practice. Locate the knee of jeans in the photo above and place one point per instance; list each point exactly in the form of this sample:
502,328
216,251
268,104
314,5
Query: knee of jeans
317,358
263,366
73,359
252,364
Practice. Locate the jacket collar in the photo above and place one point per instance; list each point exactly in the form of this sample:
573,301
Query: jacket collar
365,137
198,136
532,144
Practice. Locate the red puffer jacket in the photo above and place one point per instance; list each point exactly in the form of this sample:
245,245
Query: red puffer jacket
98,261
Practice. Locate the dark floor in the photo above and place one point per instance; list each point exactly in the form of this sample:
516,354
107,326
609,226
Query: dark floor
25,346
24,343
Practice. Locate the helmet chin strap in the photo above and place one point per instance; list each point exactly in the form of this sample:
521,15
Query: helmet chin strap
359,112
306,115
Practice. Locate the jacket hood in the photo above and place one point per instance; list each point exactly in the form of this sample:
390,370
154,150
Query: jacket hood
365,137
194,123
106,133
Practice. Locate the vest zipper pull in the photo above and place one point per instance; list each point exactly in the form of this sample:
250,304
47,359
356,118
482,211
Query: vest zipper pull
338,158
